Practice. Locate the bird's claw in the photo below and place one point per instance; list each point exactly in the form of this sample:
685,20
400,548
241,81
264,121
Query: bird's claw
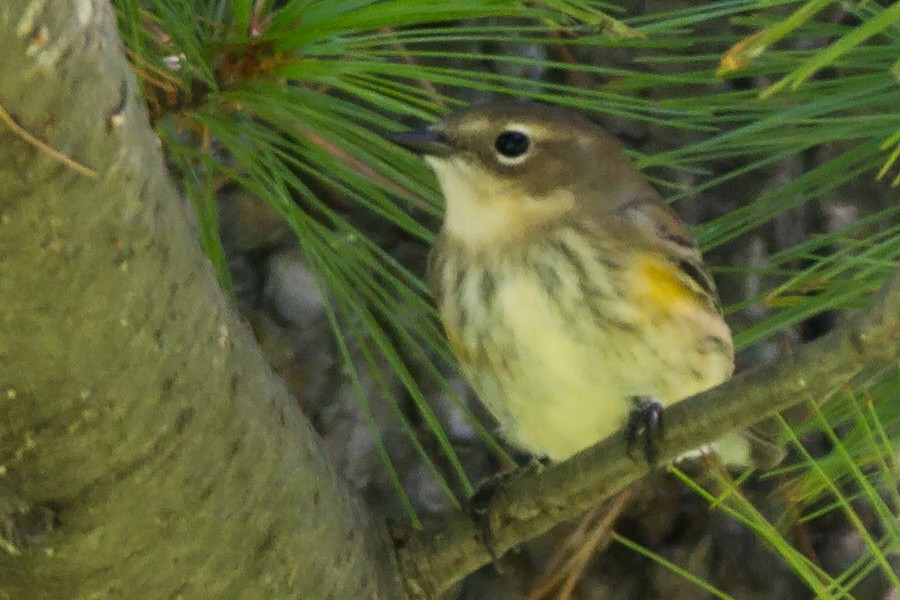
645,423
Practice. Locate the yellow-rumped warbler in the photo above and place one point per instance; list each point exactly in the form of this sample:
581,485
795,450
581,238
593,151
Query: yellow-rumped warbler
567,287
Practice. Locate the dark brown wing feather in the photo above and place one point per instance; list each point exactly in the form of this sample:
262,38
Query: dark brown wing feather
663,230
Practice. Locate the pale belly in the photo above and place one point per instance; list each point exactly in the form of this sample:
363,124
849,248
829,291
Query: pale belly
557,385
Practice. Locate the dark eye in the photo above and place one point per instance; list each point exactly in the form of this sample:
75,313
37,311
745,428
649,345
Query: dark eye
512,144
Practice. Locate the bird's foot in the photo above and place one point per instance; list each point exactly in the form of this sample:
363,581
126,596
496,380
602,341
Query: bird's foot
645,425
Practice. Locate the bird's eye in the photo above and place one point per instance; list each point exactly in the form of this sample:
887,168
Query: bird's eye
512,144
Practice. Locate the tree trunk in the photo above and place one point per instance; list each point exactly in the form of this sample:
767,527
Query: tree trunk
146,449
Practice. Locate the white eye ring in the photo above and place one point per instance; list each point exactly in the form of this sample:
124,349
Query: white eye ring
513,145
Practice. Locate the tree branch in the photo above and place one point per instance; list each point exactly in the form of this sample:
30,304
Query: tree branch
531,503
146,448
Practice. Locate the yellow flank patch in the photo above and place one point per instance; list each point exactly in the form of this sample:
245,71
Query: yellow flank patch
658,284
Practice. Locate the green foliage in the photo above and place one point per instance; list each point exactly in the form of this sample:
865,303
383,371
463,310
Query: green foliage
858,477
290,100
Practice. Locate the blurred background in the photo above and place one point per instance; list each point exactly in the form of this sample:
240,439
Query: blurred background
772,126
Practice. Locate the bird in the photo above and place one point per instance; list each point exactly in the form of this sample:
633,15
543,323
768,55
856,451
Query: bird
574,298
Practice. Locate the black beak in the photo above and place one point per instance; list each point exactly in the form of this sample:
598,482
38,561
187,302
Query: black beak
429,142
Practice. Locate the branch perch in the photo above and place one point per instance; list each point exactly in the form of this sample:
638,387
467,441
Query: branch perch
531,503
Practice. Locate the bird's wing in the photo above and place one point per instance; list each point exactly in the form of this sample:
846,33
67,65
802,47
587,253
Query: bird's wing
657,226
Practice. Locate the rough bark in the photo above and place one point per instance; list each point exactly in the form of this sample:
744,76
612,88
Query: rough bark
146,450
533,501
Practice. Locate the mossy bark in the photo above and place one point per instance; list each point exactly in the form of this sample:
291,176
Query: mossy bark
146,449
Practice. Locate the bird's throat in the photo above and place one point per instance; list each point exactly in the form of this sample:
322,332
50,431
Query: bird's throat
484,210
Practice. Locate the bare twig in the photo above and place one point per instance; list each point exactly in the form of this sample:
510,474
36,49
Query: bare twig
567,567
43,147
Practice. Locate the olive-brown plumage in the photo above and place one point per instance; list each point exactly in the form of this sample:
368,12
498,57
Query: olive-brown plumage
566,285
